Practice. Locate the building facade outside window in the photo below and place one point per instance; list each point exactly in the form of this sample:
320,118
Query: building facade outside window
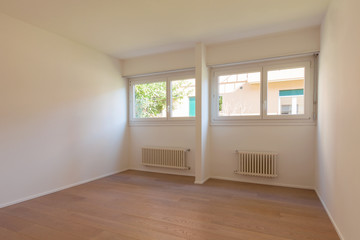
263,91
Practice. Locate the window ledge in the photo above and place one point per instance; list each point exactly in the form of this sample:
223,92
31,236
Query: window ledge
163,123
264,122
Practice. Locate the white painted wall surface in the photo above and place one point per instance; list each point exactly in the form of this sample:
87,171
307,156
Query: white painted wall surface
272,45
168,136
267,46
63,112
203,164
159,62
338,132
295,145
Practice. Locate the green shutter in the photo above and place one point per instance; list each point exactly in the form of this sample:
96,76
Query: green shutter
294,92
191,106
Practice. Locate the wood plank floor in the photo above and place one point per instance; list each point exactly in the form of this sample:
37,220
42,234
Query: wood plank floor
150,206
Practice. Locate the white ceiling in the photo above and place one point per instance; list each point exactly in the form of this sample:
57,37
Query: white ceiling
129,28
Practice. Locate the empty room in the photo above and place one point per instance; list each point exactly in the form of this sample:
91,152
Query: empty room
192,119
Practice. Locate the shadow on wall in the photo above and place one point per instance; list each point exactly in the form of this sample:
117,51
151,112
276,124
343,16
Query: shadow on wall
69,143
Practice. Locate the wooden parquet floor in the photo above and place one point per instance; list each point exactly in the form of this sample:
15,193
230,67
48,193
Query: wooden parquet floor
151,206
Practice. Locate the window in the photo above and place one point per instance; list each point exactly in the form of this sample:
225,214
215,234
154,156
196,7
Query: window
266,91
150,100
291,102
162,98
239,94
183,98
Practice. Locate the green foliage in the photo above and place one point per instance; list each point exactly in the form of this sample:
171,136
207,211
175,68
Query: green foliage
220,103
150,98
180,89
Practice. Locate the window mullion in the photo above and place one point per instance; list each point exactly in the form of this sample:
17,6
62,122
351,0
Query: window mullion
216,96
132,100
168,99
263,94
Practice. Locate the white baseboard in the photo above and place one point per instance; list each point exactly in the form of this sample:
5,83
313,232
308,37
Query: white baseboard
330,216
227,179
58,189
264,183
202,181
157,171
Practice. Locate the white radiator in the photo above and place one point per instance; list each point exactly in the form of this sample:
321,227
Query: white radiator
261,164
165,157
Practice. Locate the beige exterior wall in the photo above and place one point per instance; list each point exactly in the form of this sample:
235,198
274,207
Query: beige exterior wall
246,101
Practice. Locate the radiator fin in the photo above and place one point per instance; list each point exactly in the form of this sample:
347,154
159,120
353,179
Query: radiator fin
260,164
165,157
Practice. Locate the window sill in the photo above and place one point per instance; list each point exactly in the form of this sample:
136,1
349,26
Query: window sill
190,122
264,122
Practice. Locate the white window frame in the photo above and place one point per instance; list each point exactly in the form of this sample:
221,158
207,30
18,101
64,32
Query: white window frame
231,71
168,78
266,65
282,97
307,97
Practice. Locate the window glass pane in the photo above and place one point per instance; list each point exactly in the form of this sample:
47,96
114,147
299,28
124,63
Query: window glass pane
150,100
183,98
239,94
285,91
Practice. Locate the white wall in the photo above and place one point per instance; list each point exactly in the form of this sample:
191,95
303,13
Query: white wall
277,44
63,112
295,144
338,132
168,136
203,164
272,45
159,62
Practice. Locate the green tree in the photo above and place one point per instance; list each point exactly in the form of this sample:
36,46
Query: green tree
220,103
150,98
